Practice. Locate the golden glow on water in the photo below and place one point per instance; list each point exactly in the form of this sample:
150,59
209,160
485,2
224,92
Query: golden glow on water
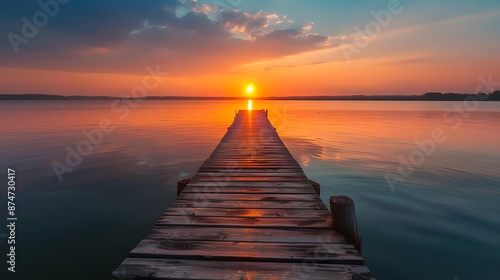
250,105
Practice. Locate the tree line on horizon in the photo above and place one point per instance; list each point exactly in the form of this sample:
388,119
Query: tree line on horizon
429,96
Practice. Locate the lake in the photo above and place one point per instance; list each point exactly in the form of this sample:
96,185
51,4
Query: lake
424,177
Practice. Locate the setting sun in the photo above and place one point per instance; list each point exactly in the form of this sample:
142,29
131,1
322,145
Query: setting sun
250,89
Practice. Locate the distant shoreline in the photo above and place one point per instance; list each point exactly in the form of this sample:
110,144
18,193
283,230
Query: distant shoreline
432,96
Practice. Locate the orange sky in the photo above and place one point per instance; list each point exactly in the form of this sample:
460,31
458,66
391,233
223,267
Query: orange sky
335,78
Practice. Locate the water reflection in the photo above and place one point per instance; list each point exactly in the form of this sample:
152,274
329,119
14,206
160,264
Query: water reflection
453,198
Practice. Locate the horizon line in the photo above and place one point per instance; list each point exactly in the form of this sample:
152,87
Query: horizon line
429,96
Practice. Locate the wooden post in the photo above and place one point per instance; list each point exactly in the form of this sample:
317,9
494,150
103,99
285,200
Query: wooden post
316,186
344,219
181,185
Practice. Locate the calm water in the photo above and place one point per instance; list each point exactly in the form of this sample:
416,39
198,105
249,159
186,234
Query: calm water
442,222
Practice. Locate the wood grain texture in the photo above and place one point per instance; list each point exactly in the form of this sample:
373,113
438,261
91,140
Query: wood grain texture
143,268
252,197
250,190
248,204
247,213
241,234
336,253
277,222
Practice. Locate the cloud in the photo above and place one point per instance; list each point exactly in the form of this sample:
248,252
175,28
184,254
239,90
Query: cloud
290,66
185,37
246,24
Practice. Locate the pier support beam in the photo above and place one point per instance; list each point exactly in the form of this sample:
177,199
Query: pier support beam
181,185
344,219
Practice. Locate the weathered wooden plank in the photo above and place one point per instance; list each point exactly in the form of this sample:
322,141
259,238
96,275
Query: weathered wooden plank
234,180
248,251
244,157
247,159
251,167
283,161
249,146
249,170
256,149
257,163
254,184
238,157
245,222
250,179
252,213
236,173
202,186
240,234
243,165
252,197
264,150
135,268
249,204
250,190
257,159
254,145
247,165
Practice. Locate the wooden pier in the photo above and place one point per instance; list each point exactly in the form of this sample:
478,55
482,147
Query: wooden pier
249,213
